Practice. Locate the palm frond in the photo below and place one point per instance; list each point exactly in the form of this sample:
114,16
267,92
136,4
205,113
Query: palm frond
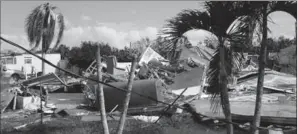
34,26
61,27
286,6
49,33
185,21
213,75
41,25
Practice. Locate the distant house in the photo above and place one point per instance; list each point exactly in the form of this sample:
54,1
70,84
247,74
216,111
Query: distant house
29,63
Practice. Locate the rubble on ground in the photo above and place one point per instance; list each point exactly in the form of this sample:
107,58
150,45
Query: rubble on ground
156,79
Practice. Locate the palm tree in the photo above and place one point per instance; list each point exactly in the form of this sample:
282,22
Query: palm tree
41,25
265,9
217,19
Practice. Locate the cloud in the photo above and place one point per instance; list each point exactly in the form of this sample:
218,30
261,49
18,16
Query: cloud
67,23
105,32
19,39
116,38
86,18
117,35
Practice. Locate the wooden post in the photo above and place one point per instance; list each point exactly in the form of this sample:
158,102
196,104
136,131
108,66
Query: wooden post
100,93
296,53
14,100
128,96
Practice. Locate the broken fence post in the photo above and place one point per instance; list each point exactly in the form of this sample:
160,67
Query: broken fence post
128,96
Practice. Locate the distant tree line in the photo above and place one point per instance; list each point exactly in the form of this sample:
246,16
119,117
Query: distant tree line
273,45
83,55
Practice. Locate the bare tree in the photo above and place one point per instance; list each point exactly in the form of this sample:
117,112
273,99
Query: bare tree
100,94
128,96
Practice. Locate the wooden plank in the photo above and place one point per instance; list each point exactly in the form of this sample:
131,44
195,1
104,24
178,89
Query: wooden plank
43,79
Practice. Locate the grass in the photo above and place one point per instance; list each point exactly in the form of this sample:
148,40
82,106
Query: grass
74,125
178,124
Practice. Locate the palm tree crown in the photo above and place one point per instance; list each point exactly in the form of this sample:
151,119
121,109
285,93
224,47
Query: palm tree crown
43,24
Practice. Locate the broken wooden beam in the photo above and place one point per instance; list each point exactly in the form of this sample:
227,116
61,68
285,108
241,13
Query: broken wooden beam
42,79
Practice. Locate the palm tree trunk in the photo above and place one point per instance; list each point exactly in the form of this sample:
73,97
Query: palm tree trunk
224,91
42,63
203,81
128,96
262,63
100,94
43,72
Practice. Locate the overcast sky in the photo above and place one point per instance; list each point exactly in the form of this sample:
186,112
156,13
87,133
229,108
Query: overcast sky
117,23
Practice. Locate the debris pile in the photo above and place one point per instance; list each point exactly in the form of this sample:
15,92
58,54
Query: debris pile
158,80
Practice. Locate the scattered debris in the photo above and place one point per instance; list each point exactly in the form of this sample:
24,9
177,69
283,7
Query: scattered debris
144,118
157,79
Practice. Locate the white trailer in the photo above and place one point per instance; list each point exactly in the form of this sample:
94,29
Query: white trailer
29,64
